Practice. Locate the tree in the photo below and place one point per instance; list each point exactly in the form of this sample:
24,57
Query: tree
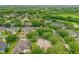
46,35
19,30
7,24
7,49
36,50
42,30
5,32
58,49
2,21
37,22
69,39
62,32
18,23
11,38
33,35
54,39
73,44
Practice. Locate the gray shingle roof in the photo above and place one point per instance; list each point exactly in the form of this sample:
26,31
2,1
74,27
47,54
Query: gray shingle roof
2,46
22,45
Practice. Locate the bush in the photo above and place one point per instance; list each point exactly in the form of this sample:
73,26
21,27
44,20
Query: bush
32,36
7,24
46,35
42,30
11,38
36,50
18,23
57,49
69,39
5,33
62,32
73,44
37,22
2,21
52,26
6,50
54,39
19,30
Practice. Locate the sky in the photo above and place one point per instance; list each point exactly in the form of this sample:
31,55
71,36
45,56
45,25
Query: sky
39,2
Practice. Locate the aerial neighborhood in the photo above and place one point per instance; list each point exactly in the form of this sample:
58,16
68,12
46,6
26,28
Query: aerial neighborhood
39,30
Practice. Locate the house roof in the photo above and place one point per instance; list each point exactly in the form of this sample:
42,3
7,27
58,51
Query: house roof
2,46
21,46
44,44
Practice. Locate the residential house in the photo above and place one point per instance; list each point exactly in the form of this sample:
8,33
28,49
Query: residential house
23,46
2,46
44,44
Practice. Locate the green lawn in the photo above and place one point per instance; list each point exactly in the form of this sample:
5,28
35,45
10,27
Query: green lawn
11,48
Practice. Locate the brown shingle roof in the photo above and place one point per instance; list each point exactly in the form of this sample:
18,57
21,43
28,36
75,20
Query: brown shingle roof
22,45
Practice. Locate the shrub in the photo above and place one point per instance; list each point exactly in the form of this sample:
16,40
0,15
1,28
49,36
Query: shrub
54,39
73,44
6,50
69,39
37,22
53,26
57,49
11,38
32,36
42,30
36,50
7,24
5,33
18,23
62,32
46,35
